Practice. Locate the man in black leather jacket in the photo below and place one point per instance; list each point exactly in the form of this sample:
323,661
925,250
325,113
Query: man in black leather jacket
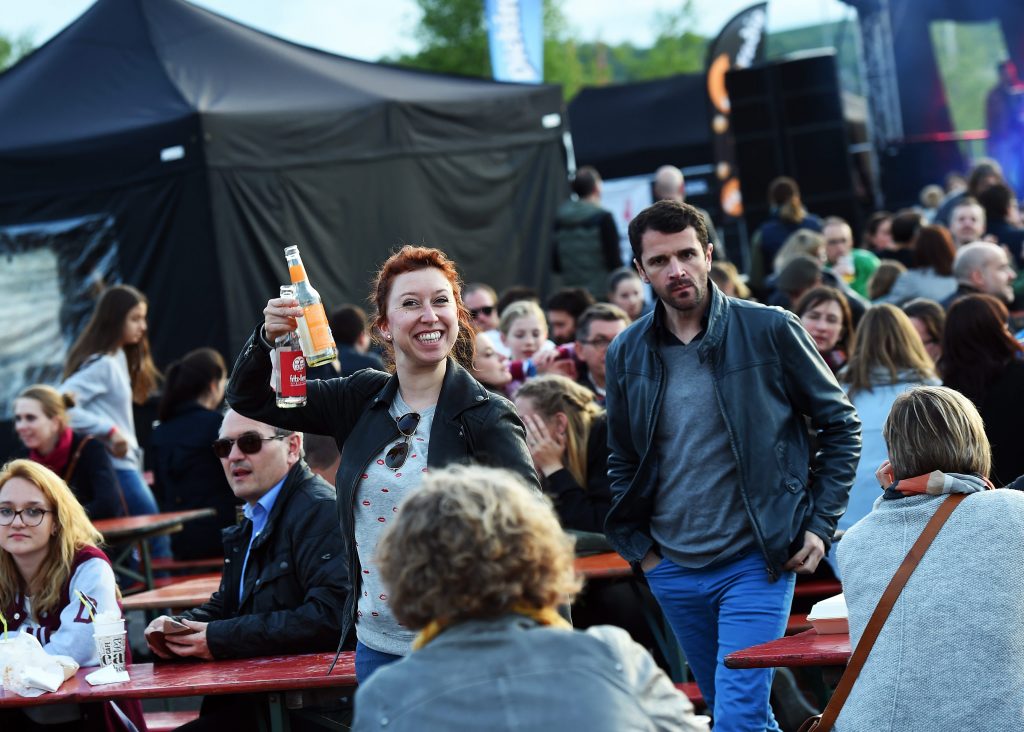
285,577
714,496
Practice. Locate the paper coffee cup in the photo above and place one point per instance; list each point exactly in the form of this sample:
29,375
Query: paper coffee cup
110,648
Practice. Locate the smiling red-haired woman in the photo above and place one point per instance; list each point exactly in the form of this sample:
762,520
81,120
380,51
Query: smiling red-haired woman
429,413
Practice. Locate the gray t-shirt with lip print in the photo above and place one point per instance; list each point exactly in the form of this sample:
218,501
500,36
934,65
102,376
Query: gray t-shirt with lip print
378,494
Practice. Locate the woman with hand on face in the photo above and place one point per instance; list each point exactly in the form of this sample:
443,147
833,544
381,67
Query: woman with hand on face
826,316
429,413
567,434
41,421
108,369
53,579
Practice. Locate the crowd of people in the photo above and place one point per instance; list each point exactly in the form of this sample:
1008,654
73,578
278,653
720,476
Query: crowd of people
423,505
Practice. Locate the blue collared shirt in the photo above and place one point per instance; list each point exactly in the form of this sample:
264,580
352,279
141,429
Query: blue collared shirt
258,514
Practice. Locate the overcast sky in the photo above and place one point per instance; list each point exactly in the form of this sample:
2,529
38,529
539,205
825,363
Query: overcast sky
369,30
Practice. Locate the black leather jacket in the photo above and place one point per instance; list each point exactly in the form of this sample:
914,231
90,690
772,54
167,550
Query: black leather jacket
470,424
768,376
296,579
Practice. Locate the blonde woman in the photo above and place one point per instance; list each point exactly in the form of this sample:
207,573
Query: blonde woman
53,578
888,359
42,423
957,616
567,434
492,652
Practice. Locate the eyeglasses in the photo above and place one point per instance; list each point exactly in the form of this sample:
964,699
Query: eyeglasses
486,310
407,425
248,442
600,342
31,516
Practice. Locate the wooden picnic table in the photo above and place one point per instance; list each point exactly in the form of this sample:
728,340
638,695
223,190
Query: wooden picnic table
803,649
193,591
187,593
124,533
271,675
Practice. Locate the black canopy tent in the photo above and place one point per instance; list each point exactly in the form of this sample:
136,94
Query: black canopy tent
159,144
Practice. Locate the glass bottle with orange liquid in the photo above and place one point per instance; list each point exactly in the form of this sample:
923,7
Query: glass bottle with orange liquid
314,333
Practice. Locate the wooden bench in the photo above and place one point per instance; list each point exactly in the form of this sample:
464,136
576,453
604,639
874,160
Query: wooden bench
180,566
168,721
817,588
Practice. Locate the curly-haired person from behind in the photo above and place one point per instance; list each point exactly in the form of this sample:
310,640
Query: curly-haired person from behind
476,562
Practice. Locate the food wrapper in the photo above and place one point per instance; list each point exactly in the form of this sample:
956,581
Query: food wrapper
106,675
27,670
830,616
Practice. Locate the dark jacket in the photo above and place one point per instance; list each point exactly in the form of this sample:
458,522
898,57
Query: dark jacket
470,425
189,475
352,360
94,481
768,376
1001,409
584,508
296,581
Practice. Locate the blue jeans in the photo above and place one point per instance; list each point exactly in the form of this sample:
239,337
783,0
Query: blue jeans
140,501
368,660
716,611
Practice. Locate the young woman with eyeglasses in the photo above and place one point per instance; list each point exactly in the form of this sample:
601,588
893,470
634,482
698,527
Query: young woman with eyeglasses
53,579
429,413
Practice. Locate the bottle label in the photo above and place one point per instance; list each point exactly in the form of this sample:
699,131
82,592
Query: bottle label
297,272
319,330
293,373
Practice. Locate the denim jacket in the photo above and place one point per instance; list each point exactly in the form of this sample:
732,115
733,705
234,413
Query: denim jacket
768,377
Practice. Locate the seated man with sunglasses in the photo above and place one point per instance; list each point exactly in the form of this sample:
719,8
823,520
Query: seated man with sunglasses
285,578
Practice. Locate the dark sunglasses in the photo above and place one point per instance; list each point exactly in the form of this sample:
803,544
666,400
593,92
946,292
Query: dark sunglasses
407,425
486,310
248,442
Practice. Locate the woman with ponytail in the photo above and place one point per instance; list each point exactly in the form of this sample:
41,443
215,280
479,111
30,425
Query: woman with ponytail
788,215
188,474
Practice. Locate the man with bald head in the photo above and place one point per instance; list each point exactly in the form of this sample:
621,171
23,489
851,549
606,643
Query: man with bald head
285,576
982,268
670,185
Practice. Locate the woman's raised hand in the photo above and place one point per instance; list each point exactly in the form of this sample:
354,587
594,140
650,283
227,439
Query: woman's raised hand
548,450
279,316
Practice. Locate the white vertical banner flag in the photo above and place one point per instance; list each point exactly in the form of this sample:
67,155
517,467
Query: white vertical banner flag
515,31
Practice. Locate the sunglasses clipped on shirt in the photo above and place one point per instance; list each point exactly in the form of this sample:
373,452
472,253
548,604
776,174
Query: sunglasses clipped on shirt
248,442
396,456
487,310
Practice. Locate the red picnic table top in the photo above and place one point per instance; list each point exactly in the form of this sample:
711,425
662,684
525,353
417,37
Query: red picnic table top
193,591
803,649
199,678
187,593
603,566
127,528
